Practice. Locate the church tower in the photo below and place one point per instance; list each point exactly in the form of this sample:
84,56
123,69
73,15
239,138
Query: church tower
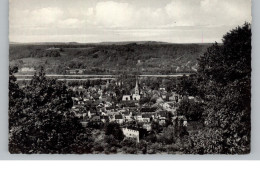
107,84
137,92
136,95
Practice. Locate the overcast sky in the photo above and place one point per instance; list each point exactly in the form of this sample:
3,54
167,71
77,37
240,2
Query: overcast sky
176,21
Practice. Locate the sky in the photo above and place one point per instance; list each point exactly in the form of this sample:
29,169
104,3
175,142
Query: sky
91,21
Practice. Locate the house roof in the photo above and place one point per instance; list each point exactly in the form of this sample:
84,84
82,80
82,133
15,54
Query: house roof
118,116
148,109
95,118
181,118
163,113
146,115
134,113
131,128
125,112
104,117
129,103
93,111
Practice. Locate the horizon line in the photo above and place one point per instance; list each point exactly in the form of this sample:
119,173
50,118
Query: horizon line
104,42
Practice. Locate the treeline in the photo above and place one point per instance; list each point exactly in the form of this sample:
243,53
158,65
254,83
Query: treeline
25,51
44,53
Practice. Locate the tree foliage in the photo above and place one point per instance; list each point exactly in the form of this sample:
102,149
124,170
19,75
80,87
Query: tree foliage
224,77
115,130
40,118
190,109
187,85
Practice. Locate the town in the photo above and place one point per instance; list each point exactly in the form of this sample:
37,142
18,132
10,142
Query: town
99,104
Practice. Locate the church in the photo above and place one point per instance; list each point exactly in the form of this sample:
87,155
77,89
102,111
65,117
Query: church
135,96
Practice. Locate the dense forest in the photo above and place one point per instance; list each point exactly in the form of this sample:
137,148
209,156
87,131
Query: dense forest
146,58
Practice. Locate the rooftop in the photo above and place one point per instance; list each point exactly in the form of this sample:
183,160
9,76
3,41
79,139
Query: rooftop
118,116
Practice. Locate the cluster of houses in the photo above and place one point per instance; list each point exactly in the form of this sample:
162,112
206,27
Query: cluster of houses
75,71
26,70
121,116
96,106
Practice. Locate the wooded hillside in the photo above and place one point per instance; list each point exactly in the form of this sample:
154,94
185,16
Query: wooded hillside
145,58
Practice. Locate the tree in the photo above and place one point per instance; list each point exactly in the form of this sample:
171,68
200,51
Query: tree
129,146
168,135
187,85
16,96
224,77
144,100
190,109
40,120
156,127
115,130
206,141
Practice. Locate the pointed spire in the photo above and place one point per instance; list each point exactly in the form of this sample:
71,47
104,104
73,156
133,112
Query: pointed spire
107,84
136,87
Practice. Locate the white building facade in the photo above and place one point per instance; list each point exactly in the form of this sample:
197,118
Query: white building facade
131,133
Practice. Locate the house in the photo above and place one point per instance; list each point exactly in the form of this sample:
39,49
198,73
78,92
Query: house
180,121
162,116
79,111
27,69
172,98
159,100
108,104
92,112
104,113
136,97
166,106
164,95
131,133
118,118
53,49
75,71
148,109
104,119
146,118
95,119
127,115
191,97
147,126
136,115
127,98
84,123
85,99
175,97
162,120
110,108
162,89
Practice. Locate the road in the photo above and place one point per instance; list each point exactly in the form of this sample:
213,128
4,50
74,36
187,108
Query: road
54,75
92,77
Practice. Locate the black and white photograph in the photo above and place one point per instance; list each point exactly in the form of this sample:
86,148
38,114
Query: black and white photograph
127,77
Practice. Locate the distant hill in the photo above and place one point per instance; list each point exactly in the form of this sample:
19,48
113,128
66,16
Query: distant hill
14,43
133,42
99,43
146,57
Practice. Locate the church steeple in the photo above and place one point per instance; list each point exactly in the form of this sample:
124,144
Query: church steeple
137,87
